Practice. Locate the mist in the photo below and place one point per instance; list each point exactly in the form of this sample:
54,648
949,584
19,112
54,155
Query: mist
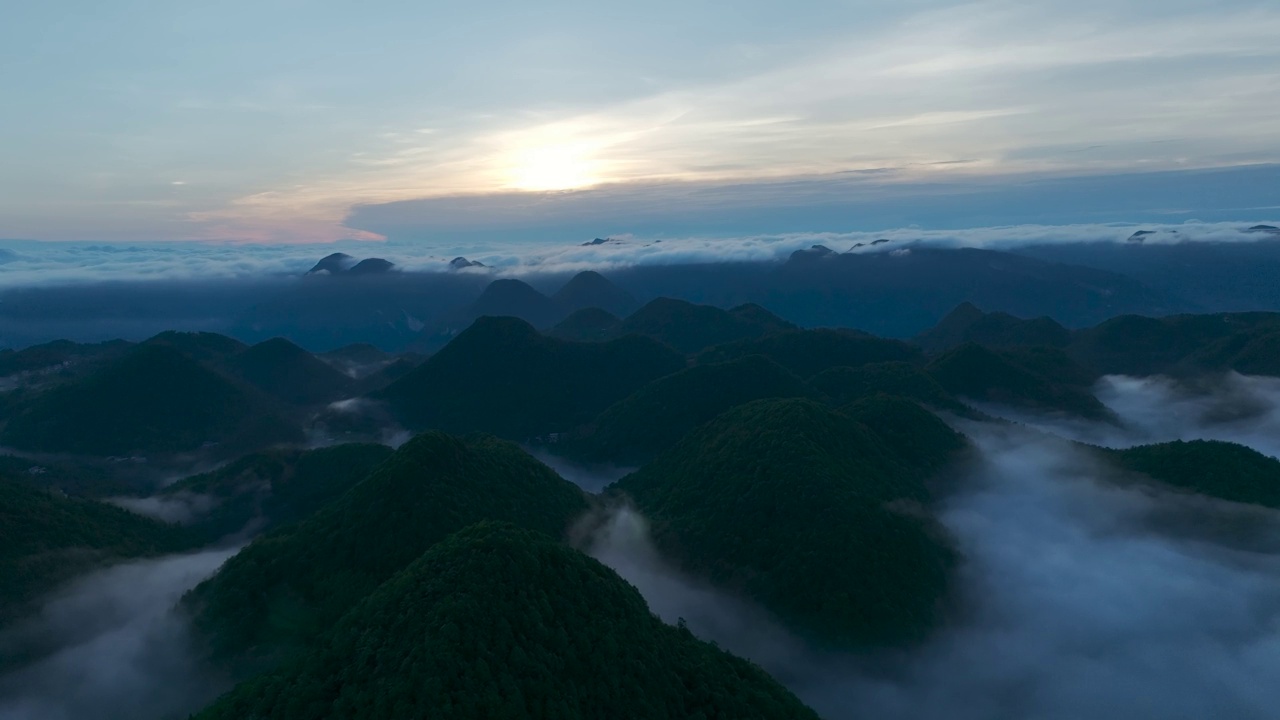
111,646
590,477
1076,599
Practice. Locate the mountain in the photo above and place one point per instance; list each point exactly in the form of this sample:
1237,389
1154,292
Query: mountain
499,622
333,264
979,373
515,298
502,376
807,512
809,352
357,359
657,415
590,289
902,292
207,347
155,399
690,328
56,355
283,370
1223,470
461,263
289,586
274,487
916,438
969,324
47,538
371,266
844,385
588,325
1134,345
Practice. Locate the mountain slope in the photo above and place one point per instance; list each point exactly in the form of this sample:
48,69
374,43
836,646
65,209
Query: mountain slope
590,289
154,399
588,325
843,385
1223,470
690,328
498,622
806,511
657,415
808,352
975,372
283,370
501,376
290,585
969,324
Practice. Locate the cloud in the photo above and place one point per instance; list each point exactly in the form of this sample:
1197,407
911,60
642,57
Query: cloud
180,507
110,646
1079,597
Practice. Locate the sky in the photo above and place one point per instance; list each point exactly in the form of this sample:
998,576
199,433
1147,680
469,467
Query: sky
296,121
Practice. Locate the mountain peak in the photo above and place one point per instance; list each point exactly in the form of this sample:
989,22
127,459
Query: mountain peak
591,289
333,264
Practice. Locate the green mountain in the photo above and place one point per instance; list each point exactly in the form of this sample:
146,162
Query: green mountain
843,385
968,324
276,487
1024,379
657,415
590,289
285,371
588,325
153,399
916,438
47,538
808,512
207,347
1223,470
501,376
290,585
499,622
1134,345
55,355
809,352
690,328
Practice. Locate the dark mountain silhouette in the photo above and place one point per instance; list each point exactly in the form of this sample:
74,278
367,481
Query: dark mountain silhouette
657,415
154,399
514,298
690,328
1223,470
501,376
902,292
499,622
588,325
1134,345
979,373
969,324
283,370
808,512
207,347
461,263
592,290
290,586
57,355
334,264
808,352
371,266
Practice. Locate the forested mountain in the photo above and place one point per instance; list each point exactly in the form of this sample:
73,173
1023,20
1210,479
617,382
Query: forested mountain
285,371
968,324
47,537
588,325
590,289
273,487
808,512
843,385
689,328
500,622
1223,470
1031,380
153,399
502,376
1182,344
809,352
657,415
289,586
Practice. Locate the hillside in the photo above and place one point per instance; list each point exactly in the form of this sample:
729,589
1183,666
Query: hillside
154,399
588,325
207,347
285,371
47,538
1223,470
498,622
968,324
690,328
274,487
500,376
590,289
290,585
809,513
657,415
978,373
843,385
1181,344
809,352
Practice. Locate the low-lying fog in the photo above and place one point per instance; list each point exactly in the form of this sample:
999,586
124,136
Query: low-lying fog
1081,597
110,647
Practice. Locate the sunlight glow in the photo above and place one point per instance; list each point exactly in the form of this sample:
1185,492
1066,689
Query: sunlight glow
564,166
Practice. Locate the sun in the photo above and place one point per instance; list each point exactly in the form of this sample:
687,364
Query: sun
565,166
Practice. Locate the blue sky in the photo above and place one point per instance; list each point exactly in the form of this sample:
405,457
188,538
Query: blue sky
291,121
